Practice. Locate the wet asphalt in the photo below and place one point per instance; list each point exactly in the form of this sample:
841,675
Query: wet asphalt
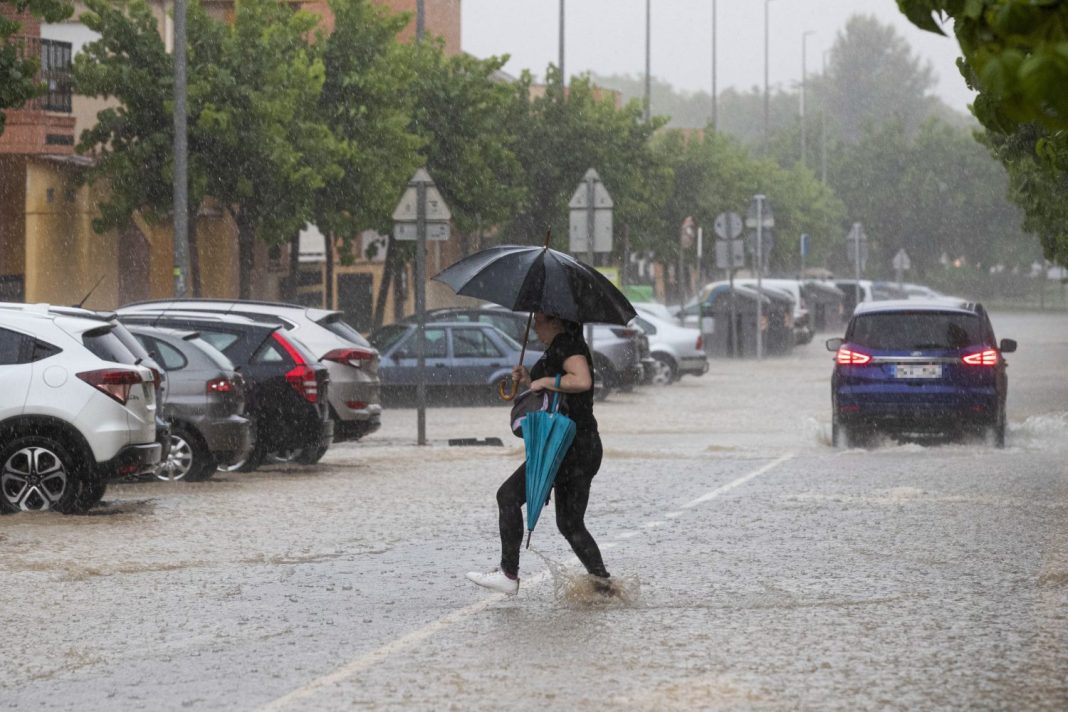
758,568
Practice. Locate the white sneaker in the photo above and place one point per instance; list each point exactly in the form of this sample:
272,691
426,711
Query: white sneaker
495,581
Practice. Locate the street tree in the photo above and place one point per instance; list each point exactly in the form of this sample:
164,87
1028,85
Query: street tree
18,68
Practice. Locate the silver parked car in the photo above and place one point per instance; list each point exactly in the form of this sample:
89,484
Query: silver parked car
354,395
205,404
676,350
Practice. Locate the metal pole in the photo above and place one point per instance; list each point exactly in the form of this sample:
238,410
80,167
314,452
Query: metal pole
648,81
760,270
766,99
700,250
420,309
589,244
181,150
801,275
715,107
856,254
420,19
734,312
563,76
823,127
804,54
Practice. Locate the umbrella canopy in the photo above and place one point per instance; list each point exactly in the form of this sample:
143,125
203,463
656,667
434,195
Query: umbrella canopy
530,279
547,434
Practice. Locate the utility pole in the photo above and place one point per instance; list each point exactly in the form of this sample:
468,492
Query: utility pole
181,156
766,95
648,81
563,75
823,126
715,107
804,54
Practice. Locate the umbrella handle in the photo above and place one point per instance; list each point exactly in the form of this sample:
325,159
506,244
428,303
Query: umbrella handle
503,392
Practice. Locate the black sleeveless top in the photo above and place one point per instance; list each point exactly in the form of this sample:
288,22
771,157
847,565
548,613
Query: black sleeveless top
579,405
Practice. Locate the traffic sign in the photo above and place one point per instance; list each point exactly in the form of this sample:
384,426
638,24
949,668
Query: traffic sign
730,254
579,218
728,226
434,231
805,240
765,214
407,208
901,261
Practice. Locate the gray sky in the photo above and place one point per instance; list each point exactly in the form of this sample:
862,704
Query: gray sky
608,37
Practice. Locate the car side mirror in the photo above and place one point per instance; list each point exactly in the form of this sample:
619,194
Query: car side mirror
835,343
1008,346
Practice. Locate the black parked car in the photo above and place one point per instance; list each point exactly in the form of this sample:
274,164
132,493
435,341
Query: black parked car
286,386
205,403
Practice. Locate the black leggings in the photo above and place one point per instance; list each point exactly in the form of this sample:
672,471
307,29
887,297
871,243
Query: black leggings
572,492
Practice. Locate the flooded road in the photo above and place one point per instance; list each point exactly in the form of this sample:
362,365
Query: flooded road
762,568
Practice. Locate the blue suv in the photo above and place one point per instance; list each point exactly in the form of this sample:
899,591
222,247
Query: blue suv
918,368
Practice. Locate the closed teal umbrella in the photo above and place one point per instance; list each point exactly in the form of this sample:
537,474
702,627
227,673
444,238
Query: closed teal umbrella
547,435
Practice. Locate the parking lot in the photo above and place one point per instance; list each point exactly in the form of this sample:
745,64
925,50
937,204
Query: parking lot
763,567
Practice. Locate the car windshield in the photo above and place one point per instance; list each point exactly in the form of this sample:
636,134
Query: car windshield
915,330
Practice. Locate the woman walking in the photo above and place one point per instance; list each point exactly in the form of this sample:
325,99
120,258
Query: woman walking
567,355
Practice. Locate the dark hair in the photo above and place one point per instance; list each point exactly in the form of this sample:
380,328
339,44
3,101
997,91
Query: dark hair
572,327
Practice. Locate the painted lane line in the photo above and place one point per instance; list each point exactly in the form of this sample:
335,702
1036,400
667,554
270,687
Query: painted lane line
379,654
738,482
650,525
673,515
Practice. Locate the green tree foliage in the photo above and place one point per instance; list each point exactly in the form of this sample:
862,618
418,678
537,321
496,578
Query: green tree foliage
259,133
132,143
18,71
561,136
1016,57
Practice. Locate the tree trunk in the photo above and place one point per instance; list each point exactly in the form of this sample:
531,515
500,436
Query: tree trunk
246,254
194,251
387,276
289,290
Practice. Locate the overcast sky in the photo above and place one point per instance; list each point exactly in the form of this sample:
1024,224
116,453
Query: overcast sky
608,37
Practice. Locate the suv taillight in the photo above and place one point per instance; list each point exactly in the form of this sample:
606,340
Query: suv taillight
112,382
303,380
700,346
350,357
222,384
157,377
848,357
988,357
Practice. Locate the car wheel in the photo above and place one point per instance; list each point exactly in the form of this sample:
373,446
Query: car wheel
284,457
92,492
663,370
38,473
839,434
310,456
189,459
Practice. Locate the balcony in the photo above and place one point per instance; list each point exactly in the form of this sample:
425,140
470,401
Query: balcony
43,124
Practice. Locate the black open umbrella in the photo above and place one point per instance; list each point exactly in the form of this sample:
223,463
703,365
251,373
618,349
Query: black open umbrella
530,279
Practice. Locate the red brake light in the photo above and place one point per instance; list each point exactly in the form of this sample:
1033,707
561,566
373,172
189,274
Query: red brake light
157,377
350,357
303,380
112,382
989,357
293,353
221,385
700,343
848,357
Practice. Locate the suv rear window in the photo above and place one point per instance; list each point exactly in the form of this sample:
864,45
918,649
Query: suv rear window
106,346
335,324
917,330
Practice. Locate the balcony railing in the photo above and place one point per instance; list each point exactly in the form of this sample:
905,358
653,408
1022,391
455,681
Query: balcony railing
54,60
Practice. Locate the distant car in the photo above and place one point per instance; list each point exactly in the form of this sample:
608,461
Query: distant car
354,399
802,325
676,350
205,404
915,367
287,387
656,309
77,411
458,356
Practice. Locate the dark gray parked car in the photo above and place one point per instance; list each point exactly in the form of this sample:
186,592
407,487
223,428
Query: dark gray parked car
205,404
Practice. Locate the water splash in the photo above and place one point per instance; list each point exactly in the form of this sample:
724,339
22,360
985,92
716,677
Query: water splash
576,589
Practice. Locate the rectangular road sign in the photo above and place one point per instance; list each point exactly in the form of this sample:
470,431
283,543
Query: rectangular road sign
434,231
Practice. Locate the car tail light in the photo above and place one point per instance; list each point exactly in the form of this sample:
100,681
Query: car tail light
350,357
112,382
356,405
157,377
700,345
222,384
303,380
625,333
848,357
988,357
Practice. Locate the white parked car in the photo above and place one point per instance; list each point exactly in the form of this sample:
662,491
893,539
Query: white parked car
676,350
354,395
77,410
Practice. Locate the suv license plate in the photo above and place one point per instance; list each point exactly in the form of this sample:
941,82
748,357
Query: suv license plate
918,370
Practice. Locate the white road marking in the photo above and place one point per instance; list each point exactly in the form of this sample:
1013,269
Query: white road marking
673,515
650,525
381,653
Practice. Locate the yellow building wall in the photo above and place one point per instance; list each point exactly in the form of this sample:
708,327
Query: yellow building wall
12,218
64,257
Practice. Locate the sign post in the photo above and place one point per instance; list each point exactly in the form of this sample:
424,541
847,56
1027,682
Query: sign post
805,240
420,215
902,263
730,255
590,225
761,218
857,246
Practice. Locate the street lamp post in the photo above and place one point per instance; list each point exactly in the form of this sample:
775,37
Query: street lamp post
648,81
715,108
804,54
181,151
823,124
563,77
766,96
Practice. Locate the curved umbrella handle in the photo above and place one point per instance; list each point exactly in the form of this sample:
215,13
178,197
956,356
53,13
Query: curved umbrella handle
504,394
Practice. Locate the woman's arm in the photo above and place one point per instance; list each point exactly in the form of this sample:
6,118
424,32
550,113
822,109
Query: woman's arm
576,378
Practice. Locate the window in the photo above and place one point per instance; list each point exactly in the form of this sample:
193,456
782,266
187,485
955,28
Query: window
56,74
434,345
473,343
12,348
270,353
647,327
170,358
907,331
221,340
103,343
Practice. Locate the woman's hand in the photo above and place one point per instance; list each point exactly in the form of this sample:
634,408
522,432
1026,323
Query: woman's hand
520,375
